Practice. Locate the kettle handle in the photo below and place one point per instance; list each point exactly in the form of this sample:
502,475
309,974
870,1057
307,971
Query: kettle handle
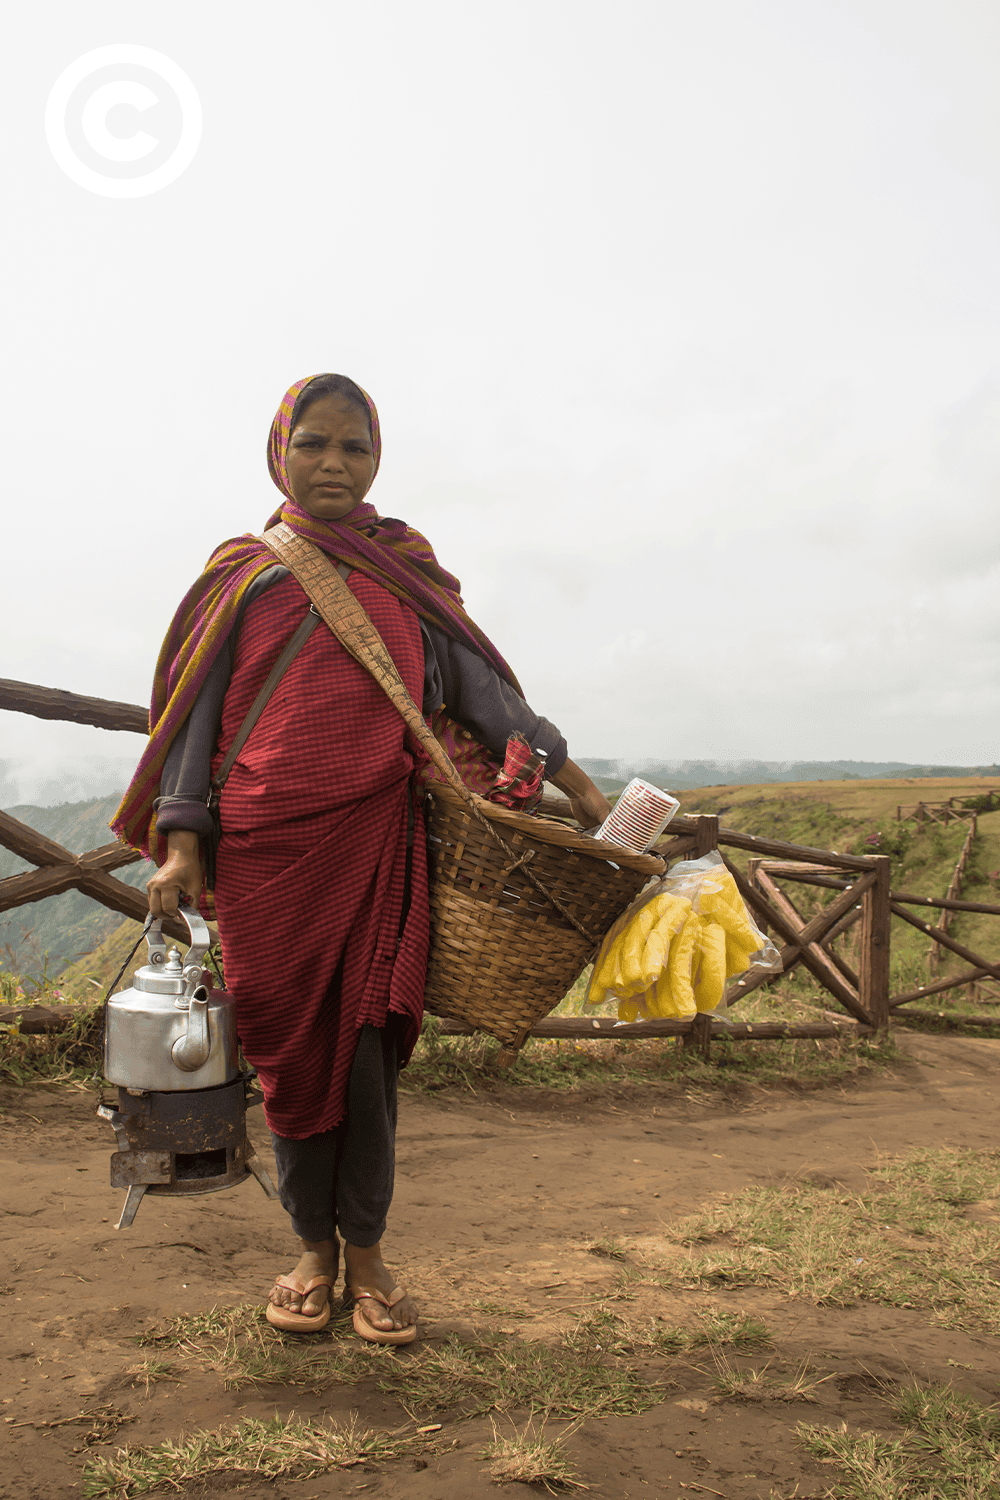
200,943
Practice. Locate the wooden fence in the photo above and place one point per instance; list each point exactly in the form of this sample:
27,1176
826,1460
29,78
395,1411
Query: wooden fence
860,881
951,811
953,893
58,870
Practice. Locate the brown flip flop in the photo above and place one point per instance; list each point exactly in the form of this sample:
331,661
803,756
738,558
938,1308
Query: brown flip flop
296,1322
364,1329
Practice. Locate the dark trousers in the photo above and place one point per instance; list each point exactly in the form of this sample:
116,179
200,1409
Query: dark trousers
343,1178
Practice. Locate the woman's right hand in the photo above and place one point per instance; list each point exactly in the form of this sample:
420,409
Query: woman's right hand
179,877
589,805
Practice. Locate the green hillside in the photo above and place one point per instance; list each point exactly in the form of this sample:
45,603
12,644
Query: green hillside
854,816
44,936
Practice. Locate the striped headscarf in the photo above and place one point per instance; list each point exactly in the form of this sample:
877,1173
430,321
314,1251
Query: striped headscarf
390,552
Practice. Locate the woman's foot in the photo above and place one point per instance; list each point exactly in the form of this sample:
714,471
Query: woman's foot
366,1268
319,1258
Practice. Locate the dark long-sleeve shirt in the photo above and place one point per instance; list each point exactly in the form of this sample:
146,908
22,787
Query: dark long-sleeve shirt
475,695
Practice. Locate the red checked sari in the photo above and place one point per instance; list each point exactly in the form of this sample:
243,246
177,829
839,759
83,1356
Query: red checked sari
312,866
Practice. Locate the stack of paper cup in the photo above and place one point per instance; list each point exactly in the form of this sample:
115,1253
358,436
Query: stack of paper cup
639,816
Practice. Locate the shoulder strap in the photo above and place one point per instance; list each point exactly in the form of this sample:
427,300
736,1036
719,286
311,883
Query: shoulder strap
353,627
292,648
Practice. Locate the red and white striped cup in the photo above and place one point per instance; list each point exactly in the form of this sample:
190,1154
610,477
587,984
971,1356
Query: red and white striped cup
639,816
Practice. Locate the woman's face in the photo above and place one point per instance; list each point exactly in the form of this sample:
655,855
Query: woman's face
330,464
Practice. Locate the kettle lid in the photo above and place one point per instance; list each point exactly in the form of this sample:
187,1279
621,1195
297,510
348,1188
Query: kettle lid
167,973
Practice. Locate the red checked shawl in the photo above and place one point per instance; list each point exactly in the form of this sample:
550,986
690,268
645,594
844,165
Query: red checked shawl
311,866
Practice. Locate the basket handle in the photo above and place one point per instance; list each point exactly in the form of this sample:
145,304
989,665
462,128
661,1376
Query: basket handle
353,627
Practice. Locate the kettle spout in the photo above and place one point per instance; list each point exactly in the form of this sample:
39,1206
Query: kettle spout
190,1051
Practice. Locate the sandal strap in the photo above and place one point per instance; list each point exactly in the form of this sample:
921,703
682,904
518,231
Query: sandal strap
396,1295
291,1283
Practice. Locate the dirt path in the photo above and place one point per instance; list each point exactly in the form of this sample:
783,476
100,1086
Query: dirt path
496,1202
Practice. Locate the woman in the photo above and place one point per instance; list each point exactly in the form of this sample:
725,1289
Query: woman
320,881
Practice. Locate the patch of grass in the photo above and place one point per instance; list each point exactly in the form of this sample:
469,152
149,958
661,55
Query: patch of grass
149,1372
739,1330
245,1350
526,1458
468,1064
736,1330
74,1055
263,1450
498,1310
738,1383
492,1372
949,1450
608,1248
745,1383
191,1330
495,1372
906,1242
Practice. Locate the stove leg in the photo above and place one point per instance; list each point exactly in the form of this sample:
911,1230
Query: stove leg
135,1197
256,1166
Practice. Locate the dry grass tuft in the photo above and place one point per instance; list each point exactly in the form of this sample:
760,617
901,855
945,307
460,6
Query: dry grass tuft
263,1450
526,1458
149,1372
579,1377
949,1450
909,1241
609,1249
735,1383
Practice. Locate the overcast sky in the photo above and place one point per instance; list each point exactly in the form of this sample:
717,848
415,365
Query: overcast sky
682,321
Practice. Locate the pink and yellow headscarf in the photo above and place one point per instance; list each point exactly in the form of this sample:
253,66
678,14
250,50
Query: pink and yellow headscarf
281,434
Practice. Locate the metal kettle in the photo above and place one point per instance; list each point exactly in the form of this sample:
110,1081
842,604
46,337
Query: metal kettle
170,1032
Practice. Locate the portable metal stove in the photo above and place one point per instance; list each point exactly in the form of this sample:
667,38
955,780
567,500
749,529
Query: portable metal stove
170,1045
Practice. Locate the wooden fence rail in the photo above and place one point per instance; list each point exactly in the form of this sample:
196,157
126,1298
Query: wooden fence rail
935,812
862,882
954,891
53,703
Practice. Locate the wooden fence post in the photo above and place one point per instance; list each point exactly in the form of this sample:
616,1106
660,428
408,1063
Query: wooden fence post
875,920
706,836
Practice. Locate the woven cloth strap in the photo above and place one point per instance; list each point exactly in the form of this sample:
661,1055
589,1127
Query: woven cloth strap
353,627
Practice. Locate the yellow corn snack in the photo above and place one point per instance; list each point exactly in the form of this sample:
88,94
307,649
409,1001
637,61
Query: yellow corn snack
655,954
738,956
734,919
607,966
602,965
633,941
710,984
656,1001
679,967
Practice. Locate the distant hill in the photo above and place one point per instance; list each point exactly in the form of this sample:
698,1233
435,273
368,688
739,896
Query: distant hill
45,936
688,775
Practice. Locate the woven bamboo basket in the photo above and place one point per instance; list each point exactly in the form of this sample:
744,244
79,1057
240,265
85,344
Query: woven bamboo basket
502,954
516,912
